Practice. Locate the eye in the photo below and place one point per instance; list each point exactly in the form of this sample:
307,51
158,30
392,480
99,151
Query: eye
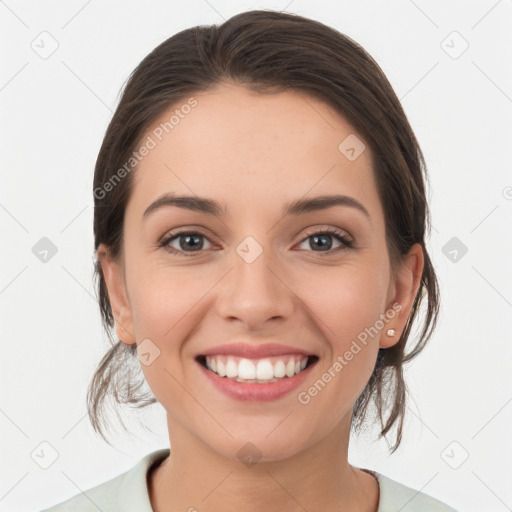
187,243
323,239
184,241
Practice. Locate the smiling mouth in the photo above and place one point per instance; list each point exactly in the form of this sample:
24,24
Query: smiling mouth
263,370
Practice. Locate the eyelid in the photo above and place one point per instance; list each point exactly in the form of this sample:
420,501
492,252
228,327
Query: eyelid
341,235
187,230
329,230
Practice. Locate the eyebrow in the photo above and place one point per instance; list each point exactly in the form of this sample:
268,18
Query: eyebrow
212,207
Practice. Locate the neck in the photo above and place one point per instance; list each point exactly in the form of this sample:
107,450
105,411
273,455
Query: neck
194,477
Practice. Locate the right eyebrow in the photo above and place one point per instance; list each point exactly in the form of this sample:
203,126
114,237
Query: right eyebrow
194,203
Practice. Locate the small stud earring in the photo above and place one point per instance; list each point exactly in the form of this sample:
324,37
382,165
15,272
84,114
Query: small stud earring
390,332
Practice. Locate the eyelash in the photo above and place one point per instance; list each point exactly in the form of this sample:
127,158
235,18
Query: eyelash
348,243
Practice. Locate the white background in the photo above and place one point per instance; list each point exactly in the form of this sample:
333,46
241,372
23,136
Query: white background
54,113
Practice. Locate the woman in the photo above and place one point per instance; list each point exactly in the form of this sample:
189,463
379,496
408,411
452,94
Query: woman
260,222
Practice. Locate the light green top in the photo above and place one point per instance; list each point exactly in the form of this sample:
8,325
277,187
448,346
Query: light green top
128,492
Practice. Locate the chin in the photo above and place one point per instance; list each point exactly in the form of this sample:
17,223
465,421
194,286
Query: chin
257,447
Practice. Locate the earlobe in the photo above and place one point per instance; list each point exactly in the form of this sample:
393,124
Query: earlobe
405,285
116,289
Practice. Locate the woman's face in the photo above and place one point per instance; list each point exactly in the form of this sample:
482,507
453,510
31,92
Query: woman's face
252,273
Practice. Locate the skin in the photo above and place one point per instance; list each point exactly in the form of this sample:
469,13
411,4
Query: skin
254,152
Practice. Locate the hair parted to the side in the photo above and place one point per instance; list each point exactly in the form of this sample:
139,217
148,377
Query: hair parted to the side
269,51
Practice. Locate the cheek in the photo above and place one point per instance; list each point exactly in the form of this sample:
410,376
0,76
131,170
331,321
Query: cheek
345,307
165,311
344,316
163,300
345,301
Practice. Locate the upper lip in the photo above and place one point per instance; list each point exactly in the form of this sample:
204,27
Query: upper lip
249,351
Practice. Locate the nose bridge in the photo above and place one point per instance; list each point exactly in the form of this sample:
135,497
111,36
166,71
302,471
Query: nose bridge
254,291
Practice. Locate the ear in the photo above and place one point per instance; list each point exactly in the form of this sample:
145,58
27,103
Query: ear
402,290
116,286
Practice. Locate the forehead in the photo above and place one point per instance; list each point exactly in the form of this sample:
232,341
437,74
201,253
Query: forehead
247,148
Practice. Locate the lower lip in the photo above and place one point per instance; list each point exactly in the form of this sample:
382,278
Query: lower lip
257,392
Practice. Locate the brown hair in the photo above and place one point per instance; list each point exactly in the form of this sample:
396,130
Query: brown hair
270,51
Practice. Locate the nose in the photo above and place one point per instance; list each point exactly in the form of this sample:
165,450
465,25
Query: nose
255,292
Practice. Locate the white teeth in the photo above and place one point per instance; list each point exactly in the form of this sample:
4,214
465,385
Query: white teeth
246,369
279,369
231,368
263,370
220,368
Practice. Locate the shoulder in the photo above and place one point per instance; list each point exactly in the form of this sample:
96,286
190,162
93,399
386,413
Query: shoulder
127,491
395,497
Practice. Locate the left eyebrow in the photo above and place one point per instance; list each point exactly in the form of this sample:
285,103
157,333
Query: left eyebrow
212,207
301,206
